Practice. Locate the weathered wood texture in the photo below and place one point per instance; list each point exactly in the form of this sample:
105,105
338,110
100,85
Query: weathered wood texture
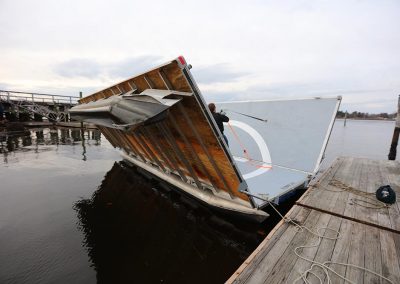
367,236
352,183
184,143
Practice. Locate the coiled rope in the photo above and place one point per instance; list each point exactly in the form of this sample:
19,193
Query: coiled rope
320,234
371,201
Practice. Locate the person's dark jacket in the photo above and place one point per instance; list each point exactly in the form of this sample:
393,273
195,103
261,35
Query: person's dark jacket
219,119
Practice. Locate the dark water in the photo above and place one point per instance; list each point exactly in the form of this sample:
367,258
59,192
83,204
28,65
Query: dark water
72,212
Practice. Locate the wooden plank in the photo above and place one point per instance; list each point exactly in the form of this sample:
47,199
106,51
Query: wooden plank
390,258
363,180
367,246
300,264
389,175
326,248
244,272
372,255
281,257
356,252
316,194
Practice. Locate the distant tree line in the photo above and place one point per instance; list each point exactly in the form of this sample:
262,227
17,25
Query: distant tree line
366,115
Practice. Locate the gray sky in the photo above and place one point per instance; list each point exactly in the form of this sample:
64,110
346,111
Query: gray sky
239,49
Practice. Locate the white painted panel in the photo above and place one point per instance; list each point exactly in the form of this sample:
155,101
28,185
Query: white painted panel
278,145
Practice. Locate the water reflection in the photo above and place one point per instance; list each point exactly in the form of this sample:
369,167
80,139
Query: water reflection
138,231
33,139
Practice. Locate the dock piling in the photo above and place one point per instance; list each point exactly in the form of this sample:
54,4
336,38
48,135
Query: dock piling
395,138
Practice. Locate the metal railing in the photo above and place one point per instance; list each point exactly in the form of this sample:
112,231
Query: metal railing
8,96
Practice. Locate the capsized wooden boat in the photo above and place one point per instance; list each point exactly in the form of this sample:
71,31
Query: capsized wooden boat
163,125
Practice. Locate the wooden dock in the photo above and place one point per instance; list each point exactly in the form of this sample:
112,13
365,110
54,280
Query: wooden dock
343,200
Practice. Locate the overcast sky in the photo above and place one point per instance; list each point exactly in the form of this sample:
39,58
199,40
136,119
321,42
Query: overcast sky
238,49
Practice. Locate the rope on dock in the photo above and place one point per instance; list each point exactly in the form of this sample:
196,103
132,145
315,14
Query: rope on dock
371,203
320,233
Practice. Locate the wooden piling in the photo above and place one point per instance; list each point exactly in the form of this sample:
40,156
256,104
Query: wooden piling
396,132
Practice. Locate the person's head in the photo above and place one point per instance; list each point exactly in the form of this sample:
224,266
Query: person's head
211,106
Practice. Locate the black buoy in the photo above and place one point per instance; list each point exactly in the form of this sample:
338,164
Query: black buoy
386,194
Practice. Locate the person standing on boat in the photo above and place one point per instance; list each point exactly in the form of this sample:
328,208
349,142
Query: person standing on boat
219,118
1,112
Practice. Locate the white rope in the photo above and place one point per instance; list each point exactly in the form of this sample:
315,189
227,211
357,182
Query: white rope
320,233
371,203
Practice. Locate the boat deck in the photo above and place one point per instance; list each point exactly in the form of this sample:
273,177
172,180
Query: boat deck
343,200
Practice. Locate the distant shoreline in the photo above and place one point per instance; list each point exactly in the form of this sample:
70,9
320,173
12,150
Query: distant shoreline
374,119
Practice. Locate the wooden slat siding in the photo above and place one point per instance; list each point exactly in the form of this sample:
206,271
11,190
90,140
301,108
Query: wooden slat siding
136,144
144,146
168,151
98,96
157,146
112,138
124,145
206,133
156,149
206,138
115,90
191,154
114,134
176,80
130,146
156,80
140,83
105,135
180,151
107,93
148,144
203,151
172,153
135,149
140,138
165,80
109,137
122,88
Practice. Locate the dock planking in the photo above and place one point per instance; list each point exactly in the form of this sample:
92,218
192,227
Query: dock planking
353,181
342,199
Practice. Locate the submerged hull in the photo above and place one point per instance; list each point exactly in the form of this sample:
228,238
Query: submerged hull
204,197
162,123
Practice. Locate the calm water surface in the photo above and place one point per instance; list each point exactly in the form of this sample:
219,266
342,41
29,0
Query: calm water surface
72,212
